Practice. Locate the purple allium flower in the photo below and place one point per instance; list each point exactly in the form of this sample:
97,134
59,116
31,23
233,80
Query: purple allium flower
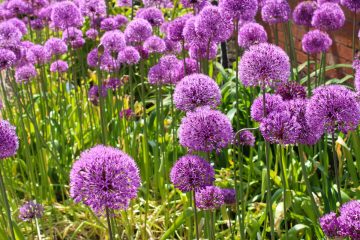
66,14
94,94
205,130
192,173
124,3
109,24
20,25
191,66
229,195
329,224
92,33
203,51
104,177
31,210
55,46
172,47
264,64
7,58
93,7
315,42
209,198
251,34
158,3
304,12
196,90
143,53
121,19
19,7
352,5
10,36
175,28
108,62
197,5
113,83
349,220
93,58
291,90
273,103
126,113
328,17
129,55
239,9
154,44
59,66
333,108
113,41
37,24
25,73
9,142
245,138
73,36
167,71
153,15
137,31
276,11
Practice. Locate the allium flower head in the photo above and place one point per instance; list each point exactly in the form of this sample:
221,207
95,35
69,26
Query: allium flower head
74,37
153,15
66,14
20,25
205,130
304,12
188,67
172,47
104,177
197,5
113,41
93,58
59,66
349,219
245,138
352,5
9,142
137,31
10,36
167,71
333,108
93,7
112,83
175,28
19,7
196,90
192,173
94,94
273,103
108,24
129,55
55,46
251,34
31,210
154,44
229,195
203,51
7,58
37,24
158,3
92,33
329,224
264,65
291,90
40,54
209,198
124,3
239,9
25,73
315,42
121,20
276,11
328,17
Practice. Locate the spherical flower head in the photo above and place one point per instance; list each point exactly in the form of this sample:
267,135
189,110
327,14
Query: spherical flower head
66,14
104,177
137,31
129,55
108,24
240,10
205,130
251,34
20,25
349,219
113,84
291,90
200,51
73,36
154,44
304,12
229,196
175,28
113,41
94,94
19,7
264,65
7,58
315,42
273,103
9,142
167,71
108,63
172,47
276,11
152,14
37,24
329,224
55,46
188,67
333,108
25,73
93,58
196,90
121,20
92,34
245,138
93,7
197,5
10,36
31,210
59,66
124,3
328,17
209,198
352,5
192,173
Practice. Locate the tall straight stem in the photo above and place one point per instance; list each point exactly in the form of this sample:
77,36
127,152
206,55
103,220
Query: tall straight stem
284,183
242,217
109,224
337,180
7,206
196,217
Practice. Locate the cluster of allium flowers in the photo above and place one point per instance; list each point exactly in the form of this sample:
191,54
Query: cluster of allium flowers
209,198
333,108
113,41
108,24
59,66
104,177
175,28
25,73
273,103
153,15
328,17
352,5
74,37
205,130
154,44
9,35
304,12
92,33
129,55
202,51
7,58
167,71
137,31
192,173
188,67
55,46
229,196
196,90
172,47
315,42
276,11
9,142
244,138
240,10
329,224
40,54
94,94
349,220
291,90
93,7
251,34
66,14
31,210
264,64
